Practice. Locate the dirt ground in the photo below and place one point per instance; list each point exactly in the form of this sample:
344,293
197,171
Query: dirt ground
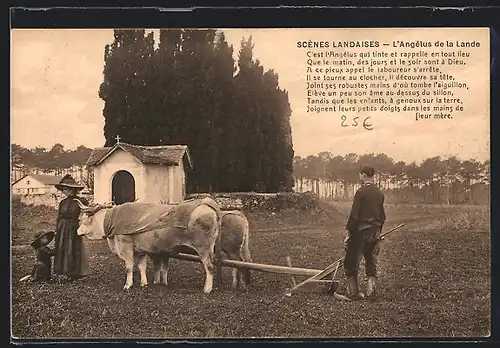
434,282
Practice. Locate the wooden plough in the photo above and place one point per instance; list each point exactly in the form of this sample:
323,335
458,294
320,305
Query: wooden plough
330,285
315,283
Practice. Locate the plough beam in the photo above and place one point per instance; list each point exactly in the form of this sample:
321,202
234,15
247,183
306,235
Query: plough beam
306,272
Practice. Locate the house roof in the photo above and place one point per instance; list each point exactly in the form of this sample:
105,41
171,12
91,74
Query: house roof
164,154
43,178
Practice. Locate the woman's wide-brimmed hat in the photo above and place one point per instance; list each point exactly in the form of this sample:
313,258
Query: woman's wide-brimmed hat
39,235
68,182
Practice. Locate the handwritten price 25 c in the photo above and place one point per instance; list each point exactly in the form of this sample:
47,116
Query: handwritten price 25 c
366,124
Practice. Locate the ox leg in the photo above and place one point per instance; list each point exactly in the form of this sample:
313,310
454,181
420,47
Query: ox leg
157,267
129,267
164,269
207,259
235,271
245,272
126,253
142,265
124,248
236,278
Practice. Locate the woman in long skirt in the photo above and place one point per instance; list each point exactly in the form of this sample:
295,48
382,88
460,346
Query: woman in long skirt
70,257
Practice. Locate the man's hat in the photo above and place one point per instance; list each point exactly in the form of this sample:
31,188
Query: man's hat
39,235
68,182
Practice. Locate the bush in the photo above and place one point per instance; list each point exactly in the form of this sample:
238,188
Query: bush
16,201
272,202
291,200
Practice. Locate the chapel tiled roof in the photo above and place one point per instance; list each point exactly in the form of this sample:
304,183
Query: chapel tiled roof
164,154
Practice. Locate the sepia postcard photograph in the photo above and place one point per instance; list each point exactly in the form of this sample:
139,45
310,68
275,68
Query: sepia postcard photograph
191,183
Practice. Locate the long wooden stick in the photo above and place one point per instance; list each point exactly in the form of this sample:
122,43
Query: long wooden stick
391,230
307,272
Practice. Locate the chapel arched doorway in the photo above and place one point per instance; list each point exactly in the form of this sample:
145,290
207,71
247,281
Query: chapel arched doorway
123,187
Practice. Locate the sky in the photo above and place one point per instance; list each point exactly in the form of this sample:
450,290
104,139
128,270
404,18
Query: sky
56,74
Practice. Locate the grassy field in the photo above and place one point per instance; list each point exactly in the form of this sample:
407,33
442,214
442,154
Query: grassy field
434,282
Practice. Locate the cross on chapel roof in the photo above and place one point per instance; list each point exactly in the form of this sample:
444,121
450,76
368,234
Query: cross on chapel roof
117,139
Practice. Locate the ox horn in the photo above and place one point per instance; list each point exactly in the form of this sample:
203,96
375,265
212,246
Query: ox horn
80,204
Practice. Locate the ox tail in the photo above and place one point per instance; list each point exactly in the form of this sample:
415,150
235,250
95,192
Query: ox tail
245,252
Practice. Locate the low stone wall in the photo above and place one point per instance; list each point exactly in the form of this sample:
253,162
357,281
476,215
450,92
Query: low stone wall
238,200
48,199
225,202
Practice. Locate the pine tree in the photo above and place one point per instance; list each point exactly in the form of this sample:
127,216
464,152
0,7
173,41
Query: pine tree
285,144
125,89
249,89
166,89
225,126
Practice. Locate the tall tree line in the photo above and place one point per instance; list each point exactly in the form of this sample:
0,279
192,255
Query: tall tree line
438,179
57,157
189,90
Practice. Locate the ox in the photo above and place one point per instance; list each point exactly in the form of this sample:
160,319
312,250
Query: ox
234,242
140,229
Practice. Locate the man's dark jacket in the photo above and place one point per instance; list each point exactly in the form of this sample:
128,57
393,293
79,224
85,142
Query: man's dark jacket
367,208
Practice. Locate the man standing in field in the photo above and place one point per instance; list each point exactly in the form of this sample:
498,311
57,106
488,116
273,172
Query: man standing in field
365,222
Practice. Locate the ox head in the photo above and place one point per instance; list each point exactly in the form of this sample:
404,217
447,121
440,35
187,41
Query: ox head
91,220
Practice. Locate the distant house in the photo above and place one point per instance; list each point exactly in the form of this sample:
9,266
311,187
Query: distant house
36,184
126,173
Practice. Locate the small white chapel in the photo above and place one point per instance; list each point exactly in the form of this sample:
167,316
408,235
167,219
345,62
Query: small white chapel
127,173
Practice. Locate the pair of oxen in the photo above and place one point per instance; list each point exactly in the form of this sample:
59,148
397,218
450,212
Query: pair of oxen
202,226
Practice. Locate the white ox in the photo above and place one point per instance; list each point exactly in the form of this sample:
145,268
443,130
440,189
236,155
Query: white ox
235,235
199,232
